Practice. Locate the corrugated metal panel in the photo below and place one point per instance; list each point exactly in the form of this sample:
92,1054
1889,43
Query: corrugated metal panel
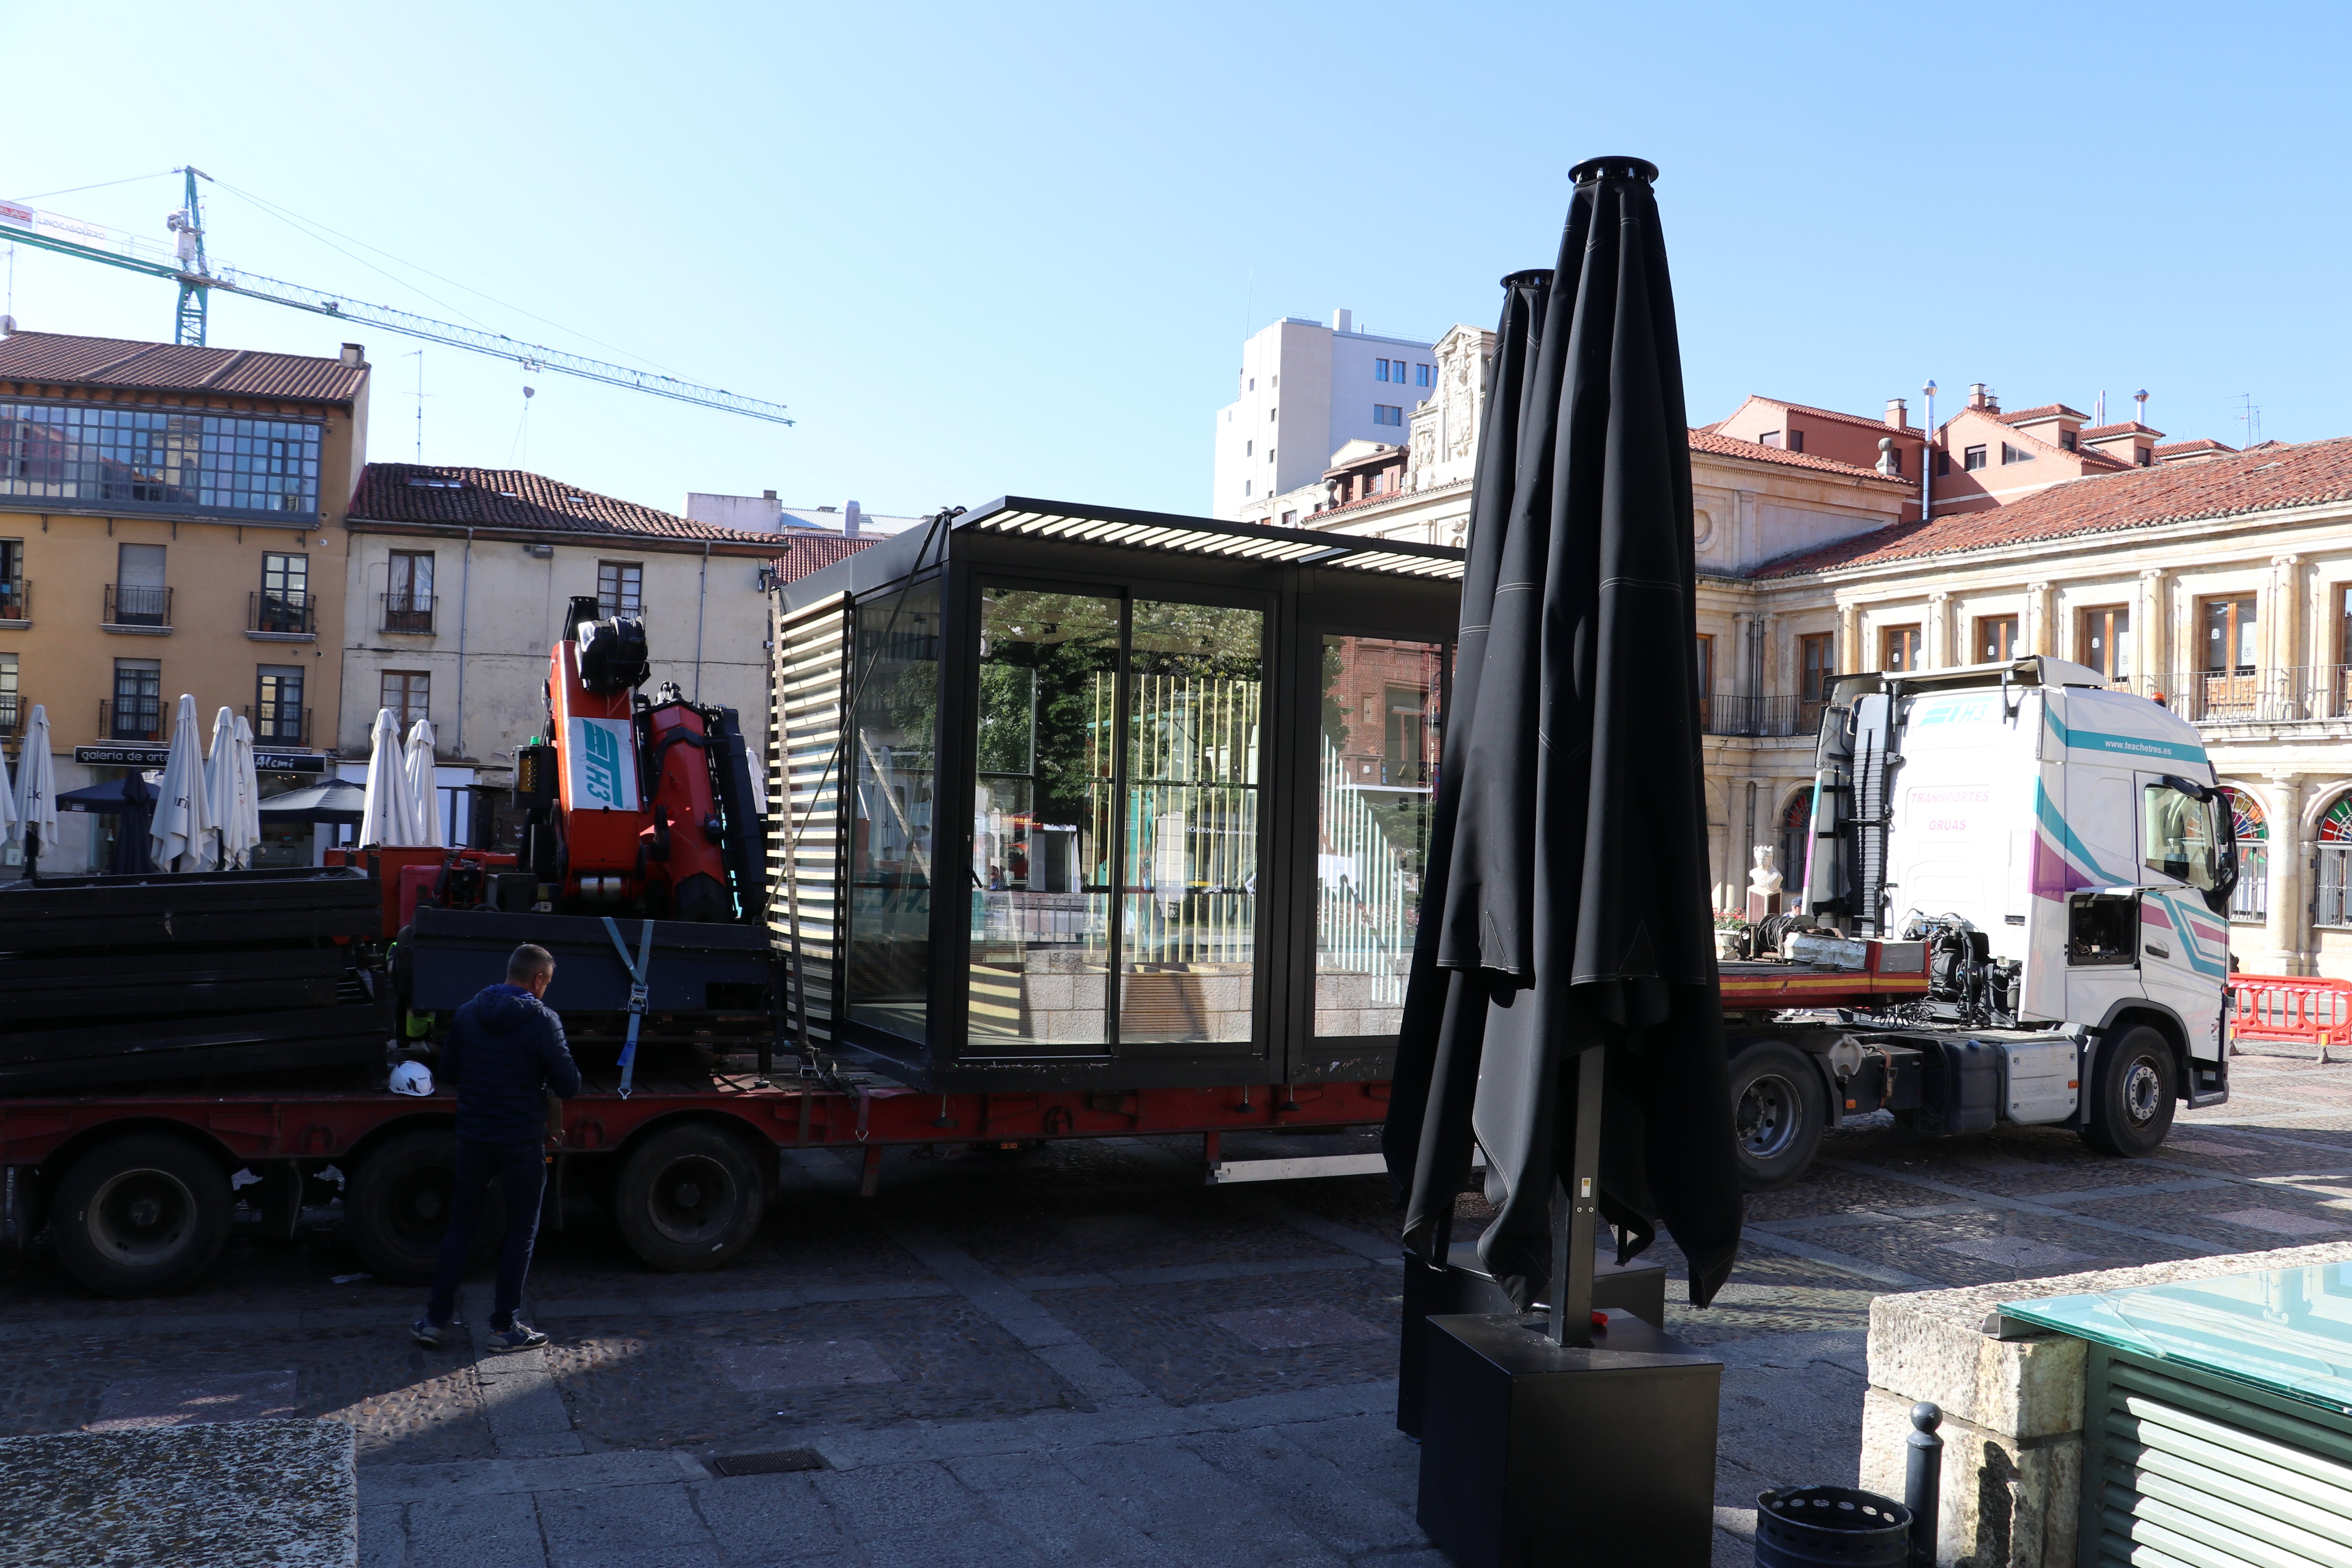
1208,536
2190,1476
806,706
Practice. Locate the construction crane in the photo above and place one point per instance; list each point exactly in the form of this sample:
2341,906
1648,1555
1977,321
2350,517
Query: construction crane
186,265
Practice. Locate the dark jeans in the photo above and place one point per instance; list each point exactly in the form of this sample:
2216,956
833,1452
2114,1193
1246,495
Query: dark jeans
521,1172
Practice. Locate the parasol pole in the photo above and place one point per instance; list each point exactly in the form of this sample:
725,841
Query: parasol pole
1576,1212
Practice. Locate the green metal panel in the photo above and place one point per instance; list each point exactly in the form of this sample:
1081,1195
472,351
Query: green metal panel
2185,1470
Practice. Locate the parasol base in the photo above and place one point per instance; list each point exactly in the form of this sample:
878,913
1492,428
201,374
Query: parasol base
1464,1285
1535,1455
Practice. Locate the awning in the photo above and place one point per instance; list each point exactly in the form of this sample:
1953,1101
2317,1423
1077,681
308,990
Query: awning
1209,536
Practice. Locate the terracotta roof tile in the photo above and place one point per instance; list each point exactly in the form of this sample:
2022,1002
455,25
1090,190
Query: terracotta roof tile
807,553
60,358
520,502
1881,426
2202,444
1733,446
2098,432
2313,474
2046,411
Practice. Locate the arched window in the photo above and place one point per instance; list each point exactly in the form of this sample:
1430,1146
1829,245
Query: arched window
2334,864
1796,836
2252,898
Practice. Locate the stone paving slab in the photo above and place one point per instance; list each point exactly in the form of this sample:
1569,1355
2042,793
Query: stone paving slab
246,1494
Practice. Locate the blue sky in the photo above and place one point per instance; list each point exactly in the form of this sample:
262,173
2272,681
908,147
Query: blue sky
1015,249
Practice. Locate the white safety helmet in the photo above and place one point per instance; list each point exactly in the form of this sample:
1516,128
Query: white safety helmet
412,1078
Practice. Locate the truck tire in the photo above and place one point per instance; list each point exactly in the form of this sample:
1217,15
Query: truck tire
396,1207
1778,1113
2131,1094
689,1197
140,1215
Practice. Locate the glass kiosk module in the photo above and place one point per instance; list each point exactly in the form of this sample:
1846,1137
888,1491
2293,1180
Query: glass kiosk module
1082,797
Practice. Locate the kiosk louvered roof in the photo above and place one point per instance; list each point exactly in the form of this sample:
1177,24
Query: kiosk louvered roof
1020,515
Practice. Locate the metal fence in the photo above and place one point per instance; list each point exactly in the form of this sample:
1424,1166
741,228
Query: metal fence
1729,713
131,718
404,612
2287,694
1365,900
16,599
133,604
282,612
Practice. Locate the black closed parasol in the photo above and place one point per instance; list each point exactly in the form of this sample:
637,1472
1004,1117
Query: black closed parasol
1571,943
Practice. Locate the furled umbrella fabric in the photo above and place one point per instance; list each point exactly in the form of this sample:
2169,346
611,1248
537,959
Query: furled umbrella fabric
133,844
225,791
7,803
391,816
423,798
181,838
248,789
1574,912
36,792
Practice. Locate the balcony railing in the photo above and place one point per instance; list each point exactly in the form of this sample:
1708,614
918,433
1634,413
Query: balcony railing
281,724
16,599
131,718
1728,713
408,613
12,714
2296,694
282,612
130,605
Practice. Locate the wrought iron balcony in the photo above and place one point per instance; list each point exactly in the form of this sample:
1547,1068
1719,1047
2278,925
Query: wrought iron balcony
1729,713
406,614
13,709
131,718
131,604
2291,694
16,599
280,724
282,612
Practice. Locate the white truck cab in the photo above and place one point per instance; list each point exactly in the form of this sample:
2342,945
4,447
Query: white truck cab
2064,856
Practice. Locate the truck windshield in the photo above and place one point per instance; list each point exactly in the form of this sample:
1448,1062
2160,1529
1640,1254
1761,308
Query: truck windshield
2179,833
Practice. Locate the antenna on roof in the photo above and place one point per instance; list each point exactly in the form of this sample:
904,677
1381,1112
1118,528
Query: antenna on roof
2250,419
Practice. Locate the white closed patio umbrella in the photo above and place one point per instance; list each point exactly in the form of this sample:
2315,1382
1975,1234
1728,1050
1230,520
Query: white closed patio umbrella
248,788
7,803
388,816
181,838
423,798
226,793
36,792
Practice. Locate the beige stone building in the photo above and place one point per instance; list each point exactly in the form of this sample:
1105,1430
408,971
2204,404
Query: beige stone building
2217,580
458,583
170,522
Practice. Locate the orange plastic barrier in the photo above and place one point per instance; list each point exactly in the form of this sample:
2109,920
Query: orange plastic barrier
2294,1007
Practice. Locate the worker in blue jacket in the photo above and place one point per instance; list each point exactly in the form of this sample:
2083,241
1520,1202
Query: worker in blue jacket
504,1053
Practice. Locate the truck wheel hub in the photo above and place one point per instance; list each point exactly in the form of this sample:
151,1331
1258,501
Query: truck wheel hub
1767,1116
2140,1086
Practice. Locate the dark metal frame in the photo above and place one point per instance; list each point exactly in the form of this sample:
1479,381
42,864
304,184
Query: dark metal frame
1308,584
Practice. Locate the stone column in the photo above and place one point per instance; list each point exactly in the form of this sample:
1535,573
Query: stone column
1849,649
1936,637
2290,682
2148,630
2039,635
2282,806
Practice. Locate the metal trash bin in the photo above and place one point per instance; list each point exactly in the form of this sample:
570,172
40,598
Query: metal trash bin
1831,1527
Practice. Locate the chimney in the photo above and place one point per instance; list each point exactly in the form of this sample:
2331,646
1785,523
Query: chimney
1343,321
2139,406
354,354
1984,397
850,518
1899,415
767,495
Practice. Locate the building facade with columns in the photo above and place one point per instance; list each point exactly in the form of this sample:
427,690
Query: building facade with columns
2216,580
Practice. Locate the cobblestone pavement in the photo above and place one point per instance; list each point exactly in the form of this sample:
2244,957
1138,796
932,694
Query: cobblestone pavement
1084,1355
